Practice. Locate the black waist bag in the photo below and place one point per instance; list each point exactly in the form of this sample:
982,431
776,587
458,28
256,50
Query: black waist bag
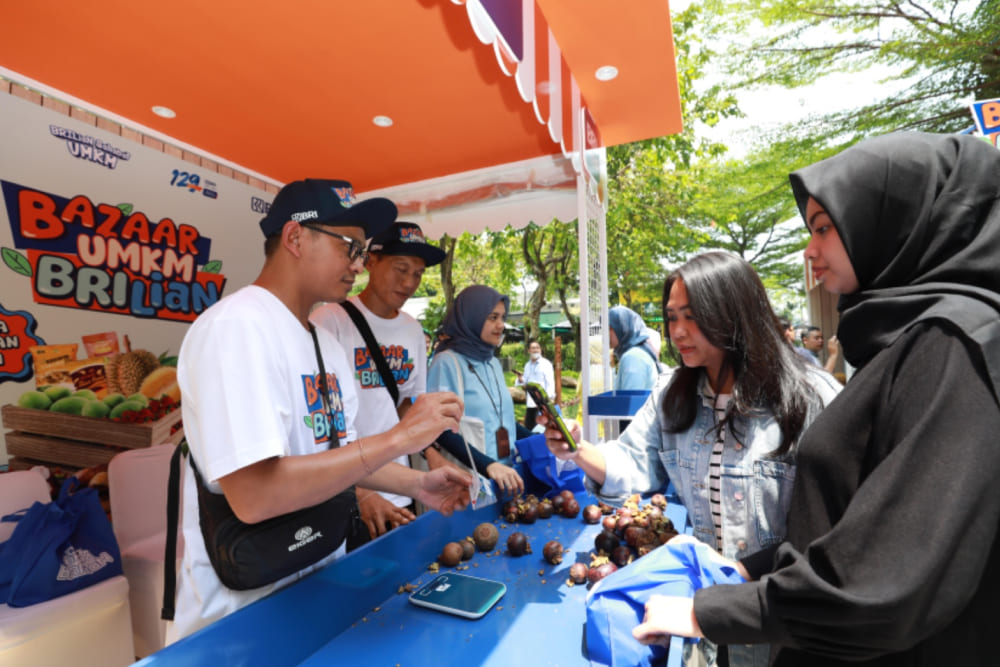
246,556
249,556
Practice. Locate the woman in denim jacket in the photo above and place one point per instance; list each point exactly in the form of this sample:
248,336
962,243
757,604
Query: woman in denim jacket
722,427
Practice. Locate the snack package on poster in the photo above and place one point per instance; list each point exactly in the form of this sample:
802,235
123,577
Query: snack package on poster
89,374
101,344
52,364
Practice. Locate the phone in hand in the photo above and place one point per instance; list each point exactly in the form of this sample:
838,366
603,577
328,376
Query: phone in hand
548,408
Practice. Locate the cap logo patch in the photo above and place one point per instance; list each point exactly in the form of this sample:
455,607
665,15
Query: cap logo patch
305,215
411,235
345,195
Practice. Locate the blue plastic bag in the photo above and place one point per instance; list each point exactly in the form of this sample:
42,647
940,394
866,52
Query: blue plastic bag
58,548
540,462
618,602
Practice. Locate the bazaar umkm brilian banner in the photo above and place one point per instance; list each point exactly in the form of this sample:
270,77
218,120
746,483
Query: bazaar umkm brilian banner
102,234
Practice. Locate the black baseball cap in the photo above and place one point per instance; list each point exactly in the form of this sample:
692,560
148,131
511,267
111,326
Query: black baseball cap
322,201
406,238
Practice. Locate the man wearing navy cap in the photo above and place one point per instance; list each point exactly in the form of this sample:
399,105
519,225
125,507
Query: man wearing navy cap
254,418
396,262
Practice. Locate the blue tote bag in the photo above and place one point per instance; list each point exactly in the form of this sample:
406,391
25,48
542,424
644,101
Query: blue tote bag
58,548
539,463
618,602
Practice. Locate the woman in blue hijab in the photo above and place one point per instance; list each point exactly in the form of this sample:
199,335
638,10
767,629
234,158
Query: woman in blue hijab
465,363
638,366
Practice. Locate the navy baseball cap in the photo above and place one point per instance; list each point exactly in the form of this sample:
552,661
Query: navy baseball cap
322,201
406,238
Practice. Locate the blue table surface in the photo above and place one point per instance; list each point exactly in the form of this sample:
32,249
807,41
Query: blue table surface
352,610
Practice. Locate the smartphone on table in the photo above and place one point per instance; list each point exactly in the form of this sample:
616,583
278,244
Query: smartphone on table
548,408
459,594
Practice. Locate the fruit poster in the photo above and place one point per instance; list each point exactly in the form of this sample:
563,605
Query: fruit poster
108,251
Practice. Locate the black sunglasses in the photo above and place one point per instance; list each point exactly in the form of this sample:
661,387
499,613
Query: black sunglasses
355,248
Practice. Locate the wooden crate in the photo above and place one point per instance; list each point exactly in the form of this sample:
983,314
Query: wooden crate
80,442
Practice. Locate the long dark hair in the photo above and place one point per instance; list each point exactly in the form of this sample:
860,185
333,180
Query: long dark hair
730,305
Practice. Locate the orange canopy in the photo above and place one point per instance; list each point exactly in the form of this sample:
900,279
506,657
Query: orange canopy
292,89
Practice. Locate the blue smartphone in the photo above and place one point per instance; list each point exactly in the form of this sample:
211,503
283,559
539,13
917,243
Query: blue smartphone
459,594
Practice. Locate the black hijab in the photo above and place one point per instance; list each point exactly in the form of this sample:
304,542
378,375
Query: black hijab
920,220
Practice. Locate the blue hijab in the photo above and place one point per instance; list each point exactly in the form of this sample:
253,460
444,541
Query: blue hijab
464,322
628,327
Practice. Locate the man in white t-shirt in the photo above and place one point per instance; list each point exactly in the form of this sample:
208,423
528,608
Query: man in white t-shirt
396,263
254,418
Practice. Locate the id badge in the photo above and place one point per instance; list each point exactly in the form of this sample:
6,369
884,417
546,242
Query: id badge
503,443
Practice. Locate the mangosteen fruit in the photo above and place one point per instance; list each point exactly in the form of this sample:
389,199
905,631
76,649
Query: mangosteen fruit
595,574
621,555
570,508
606,541
468,549
591,514
545,509
553,552
451,554
485,536
634,536
517,544
578,573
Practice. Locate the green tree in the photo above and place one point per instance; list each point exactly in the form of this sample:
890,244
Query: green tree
652,183
938,54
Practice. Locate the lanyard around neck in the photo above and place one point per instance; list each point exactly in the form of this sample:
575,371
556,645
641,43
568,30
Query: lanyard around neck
496,408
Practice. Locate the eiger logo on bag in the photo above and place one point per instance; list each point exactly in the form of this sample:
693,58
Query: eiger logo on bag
304,536
78,563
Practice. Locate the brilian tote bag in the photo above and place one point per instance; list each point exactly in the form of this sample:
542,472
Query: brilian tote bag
58,548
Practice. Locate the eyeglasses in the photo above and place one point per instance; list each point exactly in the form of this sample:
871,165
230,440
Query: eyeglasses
355,248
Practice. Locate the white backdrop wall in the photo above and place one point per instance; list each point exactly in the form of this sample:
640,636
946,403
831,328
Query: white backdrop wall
99,233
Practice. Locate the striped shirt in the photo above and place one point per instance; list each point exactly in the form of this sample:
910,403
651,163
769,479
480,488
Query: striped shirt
715,468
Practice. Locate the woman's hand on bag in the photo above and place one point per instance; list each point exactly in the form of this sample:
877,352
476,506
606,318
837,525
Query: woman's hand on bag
445,489
712,553
429,416
554,437
667,616
506,478
377,512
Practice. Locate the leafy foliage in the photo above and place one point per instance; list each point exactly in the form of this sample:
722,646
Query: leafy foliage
939,54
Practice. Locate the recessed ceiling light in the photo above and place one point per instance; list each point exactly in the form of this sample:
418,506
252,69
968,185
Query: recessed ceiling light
606,73
164,112
382,121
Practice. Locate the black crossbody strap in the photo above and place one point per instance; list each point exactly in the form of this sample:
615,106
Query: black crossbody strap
170,551
373,349
174,494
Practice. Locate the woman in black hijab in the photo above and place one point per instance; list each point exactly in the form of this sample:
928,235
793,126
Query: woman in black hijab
891,556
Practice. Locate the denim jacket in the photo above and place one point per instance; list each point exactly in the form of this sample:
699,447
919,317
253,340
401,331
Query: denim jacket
756,487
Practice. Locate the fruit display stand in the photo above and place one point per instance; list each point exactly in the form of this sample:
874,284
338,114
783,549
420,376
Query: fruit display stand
72,442
356,610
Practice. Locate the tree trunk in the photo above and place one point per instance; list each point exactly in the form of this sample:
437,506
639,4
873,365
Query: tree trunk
447,284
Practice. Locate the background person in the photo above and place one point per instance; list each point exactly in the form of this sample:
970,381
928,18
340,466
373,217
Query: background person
396,263
892,555
539,370
638,366
723,425
254,419
812,343
464,362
